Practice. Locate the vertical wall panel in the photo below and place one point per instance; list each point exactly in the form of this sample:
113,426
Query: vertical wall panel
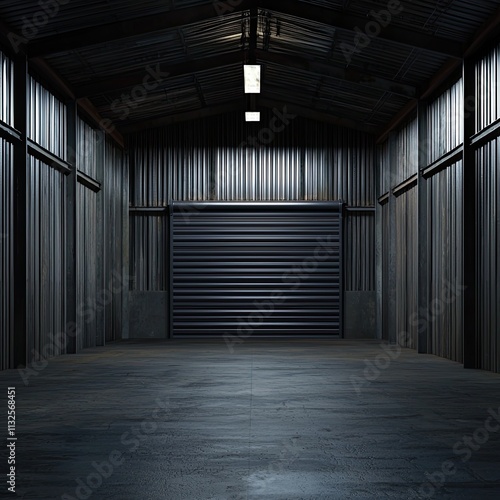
45,260
225,159
384,161
149,252
6,213
386,263
86,140
359,259
488,236
115,192
407,149
444,315
445,122
487,98
47,121
407,265
6,257
6,90
87,269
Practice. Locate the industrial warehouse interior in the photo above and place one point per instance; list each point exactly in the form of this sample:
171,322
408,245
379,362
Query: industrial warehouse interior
249,249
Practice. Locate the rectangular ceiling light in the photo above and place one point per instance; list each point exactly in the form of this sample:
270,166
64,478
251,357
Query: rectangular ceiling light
252,78
252,116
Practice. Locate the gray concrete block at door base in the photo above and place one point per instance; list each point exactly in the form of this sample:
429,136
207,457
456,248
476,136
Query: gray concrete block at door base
148,315
359,315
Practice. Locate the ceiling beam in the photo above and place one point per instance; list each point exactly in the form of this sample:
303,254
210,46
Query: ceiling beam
119,30
350,22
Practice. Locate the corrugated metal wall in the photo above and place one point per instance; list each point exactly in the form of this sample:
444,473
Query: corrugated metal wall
488,227
385,266
488,223
45,308
444,119
486,102
88,268
444,313
47,120
116,245
407,153
445,123
213,159
6,90
6,211
6,256
46,301
101,221
407,264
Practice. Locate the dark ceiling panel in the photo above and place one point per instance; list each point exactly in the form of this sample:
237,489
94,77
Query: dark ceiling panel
157,61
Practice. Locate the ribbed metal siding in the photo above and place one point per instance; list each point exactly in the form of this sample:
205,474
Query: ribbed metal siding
445,310
87,268
47,122
407,265
359,260
45,260
231,261
386,263
487,97
488,237
6,256
445,122
115,192
149,252
205,160
384,161
407,153
6,90
87,149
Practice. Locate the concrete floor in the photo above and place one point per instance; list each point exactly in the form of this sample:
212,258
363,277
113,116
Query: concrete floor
185,420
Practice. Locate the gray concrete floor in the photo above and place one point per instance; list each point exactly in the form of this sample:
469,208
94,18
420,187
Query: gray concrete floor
184,420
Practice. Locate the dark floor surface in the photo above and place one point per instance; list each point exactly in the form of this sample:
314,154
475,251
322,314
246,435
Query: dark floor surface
270,420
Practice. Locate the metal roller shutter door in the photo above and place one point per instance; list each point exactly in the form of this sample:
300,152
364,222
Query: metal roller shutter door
259,269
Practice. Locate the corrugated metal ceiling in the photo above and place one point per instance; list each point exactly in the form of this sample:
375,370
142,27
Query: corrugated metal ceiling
308,62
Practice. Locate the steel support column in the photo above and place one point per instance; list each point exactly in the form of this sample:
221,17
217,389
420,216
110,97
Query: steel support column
102,288
469,222
379,254
18,335
391,297
423,225
71,235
